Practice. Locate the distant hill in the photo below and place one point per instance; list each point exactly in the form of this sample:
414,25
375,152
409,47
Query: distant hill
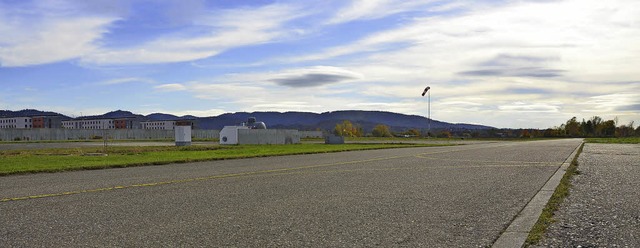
161,117
29,113
291,120
165,117
327,120
114,115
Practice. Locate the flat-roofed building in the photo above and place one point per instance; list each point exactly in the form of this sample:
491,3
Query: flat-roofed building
126,123
16,122
47,121
158,125
89,124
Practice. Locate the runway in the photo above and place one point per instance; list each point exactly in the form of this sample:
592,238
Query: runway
437,196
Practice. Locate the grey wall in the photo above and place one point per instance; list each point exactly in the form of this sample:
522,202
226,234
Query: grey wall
268,136
86,134
311,134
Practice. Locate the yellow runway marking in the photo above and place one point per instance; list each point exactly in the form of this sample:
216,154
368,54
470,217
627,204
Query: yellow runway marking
252,173
490,161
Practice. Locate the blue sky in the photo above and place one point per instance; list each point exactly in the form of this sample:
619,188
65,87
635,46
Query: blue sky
519,64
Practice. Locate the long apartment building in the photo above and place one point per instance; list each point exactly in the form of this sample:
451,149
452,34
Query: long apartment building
158,125
16,122
89,124
85,123
31,122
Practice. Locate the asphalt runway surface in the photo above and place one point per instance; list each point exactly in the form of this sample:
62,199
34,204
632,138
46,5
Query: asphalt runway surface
80,144
460,196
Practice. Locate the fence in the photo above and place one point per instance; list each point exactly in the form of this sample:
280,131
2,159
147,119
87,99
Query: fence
87,134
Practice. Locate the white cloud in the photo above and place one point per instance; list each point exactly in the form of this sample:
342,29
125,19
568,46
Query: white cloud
612,102
374,9
529,107
569,31
170,87
50,40
225,29
126,80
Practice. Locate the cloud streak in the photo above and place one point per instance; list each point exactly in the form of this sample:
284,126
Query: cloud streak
227,29
315,76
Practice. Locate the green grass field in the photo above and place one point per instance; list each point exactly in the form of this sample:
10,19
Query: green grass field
627,140
53,160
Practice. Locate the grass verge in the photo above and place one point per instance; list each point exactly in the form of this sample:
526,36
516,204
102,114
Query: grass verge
561,192
54,160
626,140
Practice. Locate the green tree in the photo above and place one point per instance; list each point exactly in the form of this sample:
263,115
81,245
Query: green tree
572,127
587,128
381,130
597,126
552,132
608,128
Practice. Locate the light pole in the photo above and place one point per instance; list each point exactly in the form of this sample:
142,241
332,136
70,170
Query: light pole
426,91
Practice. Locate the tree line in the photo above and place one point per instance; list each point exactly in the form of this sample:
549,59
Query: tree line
348,129
593,127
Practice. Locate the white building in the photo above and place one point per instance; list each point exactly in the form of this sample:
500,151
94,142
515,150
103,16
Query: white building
158,125
16,122
89,124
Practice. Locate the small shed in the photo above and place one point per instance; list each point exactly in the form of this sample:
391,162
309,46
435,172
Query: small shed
183,132
229,135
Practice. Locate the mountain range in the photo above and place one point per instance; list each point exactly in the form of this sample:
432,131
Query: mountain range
290,120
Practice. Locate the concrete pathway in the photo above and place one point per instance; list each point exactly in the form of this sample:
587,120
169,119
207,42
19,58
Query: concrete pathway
603,208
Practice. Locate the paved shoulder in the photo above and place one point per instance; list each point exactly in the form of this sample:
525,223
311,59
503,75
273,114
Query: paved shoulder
603,208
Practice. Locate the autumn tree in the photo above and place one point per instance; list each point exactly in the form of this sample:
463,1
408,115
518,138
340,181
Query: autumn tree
381,130
414,132
625,130
525,134
444,134
347,129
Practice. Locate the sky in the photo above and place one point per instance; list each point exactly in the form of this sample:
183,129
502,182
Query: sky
503,63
